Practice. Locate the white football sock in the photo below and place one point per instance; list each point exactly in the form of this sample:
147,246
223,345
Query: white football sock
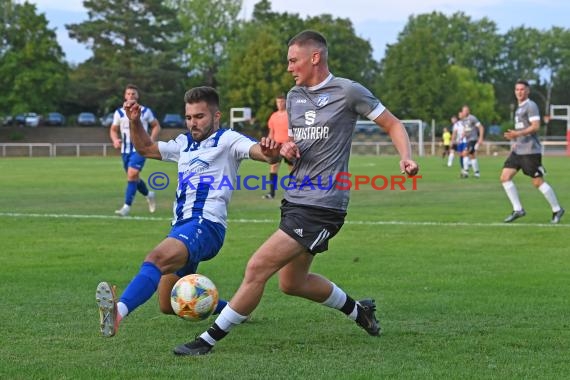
337,299
122,309
227,319
548,193
475,165
513,195
450,159
466,163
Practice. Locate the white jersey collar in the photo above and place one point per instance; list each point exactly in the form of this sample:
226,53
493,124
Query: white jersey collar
525,101
317,86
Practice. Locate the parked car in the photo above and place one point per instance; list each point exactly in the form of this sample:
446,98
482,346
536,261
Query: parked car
366,126
54,119
494,130
7,120
173,120
32,119
107,120
20,120
86,119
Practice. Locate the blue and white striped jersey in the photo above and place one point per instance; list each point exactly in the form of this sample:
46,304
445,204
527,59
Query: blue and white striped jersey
120,118
459,132
207,173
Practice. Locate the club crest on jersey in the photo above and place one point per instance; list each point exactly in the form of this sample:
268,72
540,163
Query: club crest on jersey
199,165
209,143
310,117
323,100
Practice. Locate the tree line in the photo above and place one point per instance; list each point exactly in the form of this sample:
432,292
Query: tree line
438,63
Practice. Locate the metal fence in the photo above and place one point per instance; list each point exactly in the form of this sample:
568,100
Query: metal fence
488,148
57,149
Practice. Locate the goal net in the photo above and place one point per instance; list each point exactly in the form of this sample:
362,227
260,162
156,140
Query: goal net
371,139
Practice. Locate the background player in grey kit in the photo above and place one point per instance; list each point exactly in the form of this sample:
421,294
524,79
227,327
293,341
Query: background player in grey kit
526,154
322,112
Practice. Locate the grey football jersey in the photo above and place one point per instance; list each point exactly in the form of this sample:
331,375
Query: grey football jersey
470,129
524,115
321,122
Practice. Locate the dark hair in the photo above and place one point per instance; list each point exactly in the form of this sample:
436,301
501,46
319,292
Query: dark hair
522,81
280,96
131,86
310,37
203,94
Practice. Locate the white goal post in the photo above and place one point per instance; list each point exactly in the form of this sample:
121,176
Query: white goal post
415,130
238,115
414,127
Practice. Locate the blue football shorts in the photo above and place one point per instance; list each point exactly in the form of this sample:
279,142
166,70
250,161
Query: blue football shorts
133,160
461,147
202,238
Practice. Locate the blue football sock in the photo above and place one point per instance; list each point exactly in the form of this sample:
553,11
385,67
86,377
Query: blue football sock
130,192
221,304
141,187
142,287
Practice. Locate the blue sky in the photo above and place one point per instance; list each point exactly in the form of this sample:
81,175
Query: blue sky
378,21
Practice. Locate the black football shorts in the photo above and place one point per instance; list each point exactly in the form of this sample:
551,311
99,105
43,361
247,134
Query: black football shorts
531,164
310,226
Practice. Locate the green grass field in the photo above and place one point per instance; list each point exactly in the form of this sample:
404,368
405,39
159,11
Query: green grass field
460,294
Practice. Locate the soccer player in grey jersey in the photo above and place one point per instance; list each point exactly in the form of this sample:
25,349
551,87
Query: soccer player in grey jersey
322,111
526,154
474,132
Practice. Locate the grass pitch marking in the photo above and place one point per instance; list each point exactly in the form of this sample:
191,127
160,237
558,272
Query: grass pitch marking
259,221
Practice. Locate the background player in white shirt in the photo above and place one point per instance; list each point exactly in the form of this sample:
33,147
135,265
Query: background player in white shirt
133,162
200,210
454,143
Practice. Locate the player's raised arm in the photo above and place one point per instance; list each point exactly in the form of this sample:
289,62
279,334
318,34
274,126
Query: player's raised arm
395,129
115,135
155,130
141,140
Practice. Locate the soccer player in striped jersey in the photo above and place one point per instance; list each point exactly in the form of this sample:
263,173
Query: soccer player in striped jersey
133,162
458,140
206,155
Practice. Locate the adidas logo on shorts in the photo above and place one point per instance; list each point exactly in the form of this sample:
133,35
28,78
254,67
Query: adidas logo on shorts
298,231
